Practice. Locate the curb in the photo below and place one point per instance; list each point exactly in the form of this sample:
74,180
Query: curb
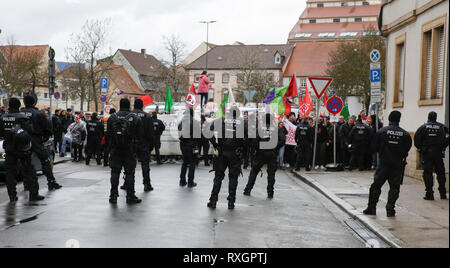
380,231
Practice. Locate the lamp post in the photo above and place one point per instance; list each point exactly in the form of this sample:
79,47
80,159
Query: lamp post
207,39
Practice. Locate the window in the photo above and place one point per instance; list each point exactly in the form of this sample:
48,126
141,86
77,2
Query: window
196,78
433,62
344,4
271,77
303,83
336,20
366,4
312,21
320,5
225,78
211,93
45,95
358,19
212,78
399,78
277,59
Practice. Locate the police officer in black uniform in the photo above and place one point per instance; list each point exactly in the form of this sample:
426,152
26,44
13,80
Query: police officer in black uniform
432,140
41,132
230,145
359,138
269,140
393,144
158,129
304,137
94,139
145,143
15,128
124,131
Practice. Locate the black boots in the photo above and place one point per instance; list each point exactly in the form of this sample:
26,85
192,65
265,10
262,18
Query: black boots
270,195
212,205
231,205
192,185
53,185
113,199
247,192
133,200
148,188
390,213
36,197
444,196
429,197
370,212
13,199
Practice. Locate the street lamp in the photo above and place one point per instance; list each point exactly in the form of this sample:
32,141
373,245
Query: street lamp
207,39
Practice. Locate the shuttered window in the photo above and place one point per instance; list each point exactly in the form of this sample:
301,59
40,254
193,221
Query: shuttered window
399,75
440,62
401,72
429,55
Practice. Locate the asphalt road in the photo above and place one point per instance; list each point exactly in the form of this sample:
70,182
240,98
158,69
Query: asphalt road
172,217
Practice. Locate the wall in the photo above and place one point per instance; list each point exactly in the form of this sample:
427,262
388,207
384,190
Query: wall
119,59
413,114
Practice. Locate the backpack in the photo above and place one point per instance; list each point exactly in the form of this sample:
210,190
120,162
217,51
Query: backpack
122,131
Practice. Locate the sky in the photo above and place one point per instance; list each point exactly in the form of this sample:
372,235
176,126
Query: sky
138,24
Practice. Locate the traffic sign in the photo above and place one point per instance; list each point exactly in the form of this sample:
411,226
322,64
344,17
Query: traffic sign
375,55
320,85
104,86
103,98
335,105
57,95
375,81
107,109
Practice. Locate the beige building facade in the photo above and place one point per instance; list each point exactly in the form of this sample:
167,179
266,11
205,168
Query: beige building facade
417,64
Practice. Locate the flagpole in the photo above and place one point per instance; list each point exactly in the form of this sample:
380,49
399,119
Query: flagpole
315,136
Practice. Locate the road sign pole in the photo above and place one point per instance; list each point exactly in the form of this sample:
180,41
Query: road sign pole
315,135
335,160
377,128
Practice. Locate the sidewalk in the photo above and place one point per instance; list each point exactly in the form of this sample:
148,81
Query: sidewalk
419,223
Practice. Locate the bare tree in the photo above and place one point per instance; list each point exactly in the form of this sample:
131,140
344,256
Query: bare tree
252,77
171,74
21,70
88,47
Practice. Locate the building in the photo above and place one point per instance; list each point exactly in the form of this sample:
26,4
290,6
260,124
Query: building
197,53
417,63
143,68
37,79
323,25
226,63
68,82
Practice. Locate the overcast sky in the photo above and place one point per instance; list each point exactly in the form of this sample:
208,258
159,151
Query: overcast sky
140,24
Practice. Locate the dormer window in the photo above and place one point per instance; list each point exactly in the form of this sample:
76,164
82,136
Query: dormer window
277,58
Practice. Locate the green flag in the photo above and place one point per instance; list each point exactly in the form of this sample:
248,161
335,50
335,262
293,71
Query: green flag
169,101
278,102
345,112
221,112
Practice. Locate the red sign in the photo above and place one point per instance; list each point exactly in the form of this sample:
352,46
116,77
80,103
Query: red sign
320,85
335,105
103,98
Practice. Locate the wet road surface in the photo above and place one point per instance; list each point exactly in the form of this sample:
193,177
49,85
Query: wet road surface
171,216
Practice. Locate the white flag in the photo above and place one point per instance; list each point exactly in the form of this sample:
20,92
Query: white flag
231,99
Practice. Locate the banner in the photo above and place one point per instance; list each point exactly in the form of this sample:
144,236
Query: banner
291,128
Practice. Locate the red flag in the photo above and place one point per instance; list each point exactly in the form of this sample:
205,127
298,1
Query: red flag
191,100
306,106
147,100
290,94
325,99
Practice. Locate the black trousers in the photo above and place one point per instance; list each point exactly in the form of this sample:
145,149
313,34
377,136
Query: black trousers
188,162
321,156
77,151
227,159
106,151
122,159
358,158
391,174
304,155
433,162
205,147
262,158
94,147
30,179
157,148
143,155
43,154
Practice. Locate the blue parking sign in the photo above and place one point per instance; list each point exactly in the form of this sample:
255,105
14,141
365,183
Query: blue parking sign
104,83
375,75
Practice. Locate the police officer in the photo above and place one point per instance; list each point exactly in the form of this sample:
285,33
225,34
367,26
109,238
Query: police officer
41,132
106,146
124,131
190,140
304,137
432,140
158,129
393,144
145,143
230,145
269,140
94,139
15,128
359,138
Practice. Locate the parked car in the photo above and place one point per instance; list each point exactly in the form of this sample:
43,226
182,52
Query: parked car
35,161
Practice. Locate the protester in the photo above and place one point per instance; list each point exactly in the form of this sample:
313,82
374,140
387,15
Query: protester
77,131
203,89
158,130
189,145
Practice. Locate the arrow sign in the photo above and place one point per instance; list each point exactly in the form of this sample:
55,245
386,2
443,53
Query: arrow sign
320,85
